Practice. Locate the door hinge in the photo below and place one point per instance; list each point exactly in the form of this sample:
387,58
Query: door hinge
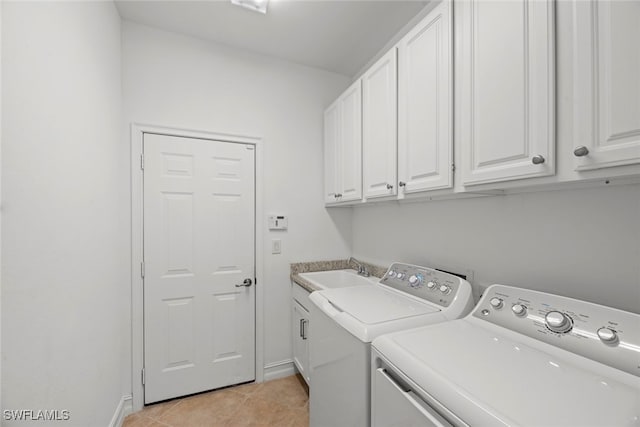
142,161
453,167
142,269
142,376
255,280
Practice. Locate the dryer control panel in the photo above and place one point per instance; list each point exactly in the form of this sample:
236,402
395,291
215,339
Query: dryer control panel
438,287
605,334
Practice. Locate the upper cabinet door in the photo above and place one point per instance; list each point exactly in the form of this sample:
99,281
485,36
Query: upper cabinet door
379,109
606,83
350,150
332,162
505,72
425,144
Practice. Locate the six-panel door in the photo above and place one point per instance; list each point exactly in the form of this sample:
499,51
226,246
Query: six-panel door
199,326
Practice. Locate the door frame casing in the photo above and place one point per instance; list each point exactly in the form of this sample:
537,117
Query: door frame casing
137,244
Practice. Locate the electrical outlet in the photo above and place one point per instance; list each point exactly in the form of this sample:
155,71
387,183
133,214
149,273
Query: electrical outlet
276,246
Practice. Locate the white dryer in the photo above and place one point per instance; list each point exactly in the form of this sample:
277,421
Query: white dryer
521,358
345,321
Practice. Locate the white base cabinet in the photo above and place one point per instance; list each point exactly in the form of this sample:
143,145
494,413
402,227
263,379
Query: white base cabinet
300,329
606,83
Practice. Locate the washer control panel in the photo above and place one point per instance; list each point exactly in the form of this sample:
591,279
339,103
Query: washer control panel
433,285
601,333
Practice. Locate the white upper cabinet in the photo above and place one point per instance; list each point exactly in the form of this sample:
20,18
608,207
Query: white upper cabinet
343,147
425,144
505,75
331,155
351,146
606,83
379,115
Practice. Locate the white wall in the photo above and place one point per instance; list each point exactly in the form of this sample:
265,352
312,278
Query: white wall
178,81
579,243
64,190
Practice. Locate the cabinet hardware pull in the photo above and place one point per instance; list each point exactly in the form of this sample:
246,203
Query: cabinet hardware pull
581,151
537,160
301,328
389,186
402,184
304,329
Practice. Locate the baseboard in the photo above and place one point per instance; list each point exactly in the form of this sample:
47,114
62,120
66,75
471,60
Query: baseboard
124,408
281,369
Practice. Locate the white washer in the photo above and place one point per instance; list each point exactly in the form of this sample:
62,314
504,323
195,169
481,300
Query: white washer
521,358
345,321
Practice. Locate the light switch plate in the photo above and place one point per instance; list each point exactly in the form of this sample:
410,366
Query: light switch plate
276,246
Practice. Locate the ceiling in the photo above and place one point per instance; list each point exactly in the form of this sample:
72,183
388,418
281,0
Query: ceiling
334,35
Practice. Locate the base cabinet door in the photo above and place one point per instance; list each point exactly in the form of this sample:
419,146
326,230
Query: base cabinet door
425,119
606,83
300,328
505,75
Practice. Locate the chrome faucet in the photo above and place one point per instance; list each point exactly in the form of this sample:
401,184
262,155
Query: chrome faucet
362,270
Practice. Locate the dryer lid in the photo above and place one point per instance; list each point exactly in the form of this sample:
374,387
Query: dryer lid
489,375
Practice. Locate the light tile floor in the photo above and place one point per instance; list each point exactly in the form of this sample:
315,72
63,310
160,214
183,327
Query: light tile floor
283,403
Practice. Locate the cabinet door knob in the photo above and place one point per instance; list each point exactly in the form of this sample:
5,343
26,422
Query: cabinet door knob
389,186
338,195
402,184
581,151
537,160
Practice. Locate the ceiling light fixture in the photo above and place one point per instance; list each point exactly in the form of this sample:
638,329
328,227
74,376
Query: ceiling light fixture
256,5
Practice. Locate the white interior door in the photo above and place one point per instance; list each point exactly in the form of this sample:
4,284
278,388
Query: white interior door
199,245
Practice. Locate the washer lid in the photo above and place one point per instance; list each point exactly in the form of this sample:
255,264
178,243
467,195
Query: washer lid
491,376
375,304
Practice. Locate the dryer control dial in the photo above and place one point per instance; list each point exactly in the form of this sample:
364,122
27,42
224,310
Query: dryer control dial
607,336
432,285
558,322
519,310
496,303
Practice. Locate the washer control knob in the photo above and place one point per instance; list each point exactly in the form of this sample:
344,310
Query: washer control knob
496,303
558,322
401,276
413,280
392,273
431,285
445,289
519,310
607,336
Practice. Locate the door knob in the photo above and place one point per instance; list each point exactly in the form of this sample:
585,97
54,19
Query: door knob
247,282
581,151
537,160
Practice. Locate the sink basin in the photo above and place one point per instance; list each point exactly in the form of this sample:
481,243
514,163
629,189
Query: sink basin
338,279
